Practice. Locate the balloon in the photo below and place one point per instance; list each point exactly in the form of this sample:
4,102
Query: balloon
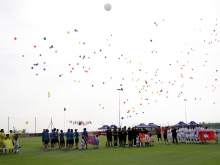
107,7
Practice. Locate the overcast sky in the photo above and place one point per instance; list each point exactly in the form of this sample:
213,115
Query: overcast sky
159,52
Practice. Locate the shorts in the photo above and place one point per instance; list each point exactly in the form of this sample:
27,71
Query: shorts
62,142
120,138
71,141
42,139
46,141
76,140
165,136
159,136
109,138
130,138
53,141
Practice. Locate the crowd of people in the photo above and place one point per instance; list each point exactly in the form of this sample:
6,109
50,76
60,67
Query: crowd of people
123,135
117,137
64,140
184,134
14,140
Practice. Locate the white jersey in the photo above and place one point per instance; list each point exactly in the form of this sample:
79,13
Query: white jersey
97,139
178,132
137,140
192,132
16,143
83,144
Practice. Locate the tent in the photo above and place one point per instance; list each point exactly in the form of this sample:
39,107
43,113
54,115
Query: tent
142,125
192,123
104,127
180,124
152,125
113,126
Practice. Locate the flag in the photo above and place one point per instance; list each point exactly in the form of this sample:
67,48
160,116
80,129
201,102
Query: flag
144,137
8,144
64,109
91,140
206,135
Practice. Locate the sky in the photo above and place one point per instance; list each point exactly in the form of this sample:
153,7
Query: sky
74,54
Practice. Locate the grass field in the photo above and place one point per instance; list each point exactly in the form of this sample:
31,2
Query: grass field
171,154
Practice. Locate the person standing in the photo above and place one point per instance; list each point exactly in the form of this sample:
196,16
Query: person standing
11,137
53,138
174,135
165,135
76,138
110,137
1,140
71,141
85,135
57,138
120,136
46,138
107,137
115,134
125,136
62,142
158,131
43,136
67,138
130,137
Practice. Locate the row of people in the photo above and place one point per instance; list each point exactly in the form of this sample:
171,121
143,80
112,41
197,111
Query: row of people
58,138
14,140
121,135
183,134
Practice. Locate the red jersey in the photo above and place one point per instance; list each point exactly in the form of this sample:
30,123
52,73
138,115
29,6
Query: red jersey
158,131
165,131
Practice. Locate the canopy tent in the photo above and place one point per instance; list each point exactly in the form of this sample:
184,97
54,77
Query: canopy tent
192,124
142,125
104,127
113,126
180,124
152,125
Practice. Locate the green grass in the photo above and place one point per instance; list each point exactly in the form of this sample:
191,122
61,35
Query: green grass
181,154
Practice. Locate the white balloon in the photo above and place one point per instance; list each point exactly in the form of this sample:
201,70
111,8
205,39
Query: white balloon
107,7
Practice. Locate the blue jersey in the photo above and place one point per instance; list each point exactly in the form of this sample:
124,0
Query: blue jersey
53,135
56,135
85,133
46,136
43,134
70,135
67,135
76,135
61,136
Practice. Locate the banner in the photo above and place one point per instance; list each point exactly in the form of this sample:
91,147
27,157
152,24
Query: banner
8,144
91,140
206,135
145,137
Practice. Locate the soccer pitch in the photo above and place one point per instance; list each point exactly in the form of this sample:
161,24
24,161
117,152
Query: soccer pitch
171,154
